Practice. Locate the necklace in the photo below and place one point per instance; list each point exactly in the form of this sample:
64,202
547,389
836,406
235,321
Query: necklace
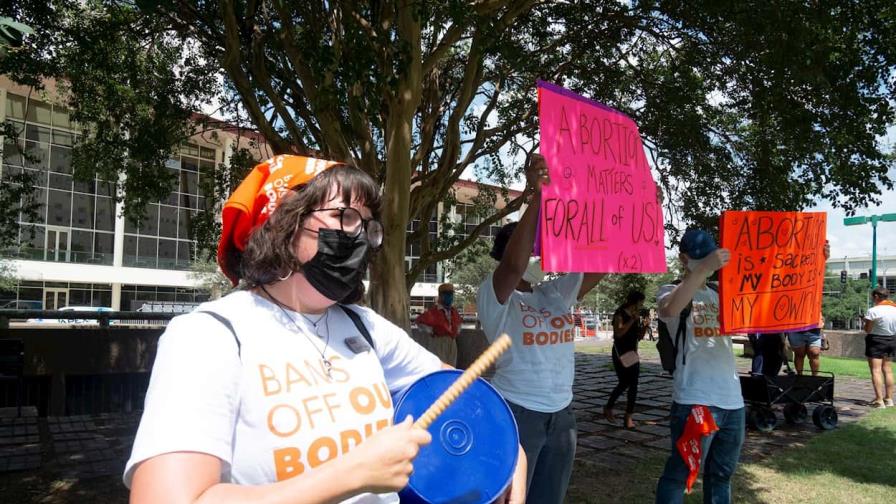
328,366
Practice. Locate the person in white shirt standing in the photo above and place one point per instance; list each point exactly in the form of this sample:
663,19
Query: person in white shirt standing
880,346
281,391
535,375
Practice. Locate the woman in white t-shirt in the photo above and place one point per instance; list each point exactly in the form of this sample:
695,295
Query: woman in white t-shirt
280,392
535,375
880,346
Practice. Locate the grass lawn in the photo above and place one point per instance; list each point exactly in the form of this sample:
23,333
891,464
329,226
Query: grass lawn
852,464
845,366
840,366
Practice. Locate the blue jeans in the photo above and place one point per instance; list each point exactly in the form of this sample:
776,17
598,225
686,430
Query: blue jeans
549,440
720,451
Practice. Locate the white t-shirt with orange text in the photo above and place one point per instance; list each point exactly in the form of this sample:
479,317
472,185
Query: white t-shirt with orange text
705,371
537,371
272,412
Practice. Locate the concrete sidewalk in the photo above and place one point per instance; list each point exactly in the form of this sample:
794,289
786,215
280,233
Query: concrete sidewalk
93,449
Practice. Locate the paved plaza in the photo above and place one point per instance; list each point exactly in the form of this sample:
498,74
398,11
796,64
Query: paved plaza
97,446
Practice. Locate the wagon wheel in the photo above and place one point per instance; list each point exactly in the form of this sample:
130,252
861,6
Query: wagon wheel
825,417
795,413
763,419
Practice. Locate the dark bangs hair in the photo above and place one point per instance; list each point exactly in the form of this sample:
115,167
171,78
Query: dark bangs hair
270,252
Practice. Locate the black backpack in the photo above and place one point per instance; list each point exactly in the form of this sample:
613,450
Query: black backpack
666,344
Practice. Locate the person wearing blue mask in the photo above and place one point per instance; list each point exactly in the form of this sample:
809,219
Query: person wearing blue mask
443,321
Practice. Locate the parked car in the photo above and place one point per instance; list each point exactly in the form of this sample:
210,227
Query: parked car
22,304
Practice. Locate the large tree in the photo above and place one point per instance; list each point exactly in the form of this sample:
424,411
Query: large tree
741,104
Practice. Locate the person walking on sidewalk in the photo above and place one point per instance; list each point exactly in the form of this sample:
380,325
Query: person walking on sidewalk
628,330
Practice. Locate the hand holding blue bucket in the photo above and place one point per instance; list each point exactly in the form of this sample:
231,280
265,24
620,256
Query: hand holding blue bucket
475,442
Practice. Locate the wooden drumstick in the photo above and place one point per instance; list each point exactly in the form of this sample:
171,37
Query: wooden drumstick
475,370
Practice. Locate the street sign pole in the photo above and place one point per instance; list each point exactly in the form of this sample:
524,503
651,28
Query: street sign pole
874,251
873,220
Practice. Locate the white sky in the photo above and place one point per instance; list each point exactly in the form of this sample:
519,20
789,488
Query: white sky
855,241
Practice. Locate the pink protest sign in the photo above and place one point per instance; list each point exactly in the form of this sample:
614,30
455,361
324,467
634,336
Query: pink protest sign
600,212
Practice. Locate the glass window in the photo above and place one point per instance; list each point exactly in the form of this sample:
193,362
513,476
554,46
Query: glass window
81,249
87,187
15,106
79,297
189,164
184,254
33,244
82,210
167,253
189,149
207,153
59,208
185,223
168,221
187,201
105,214
61,181
150,224
61,118
61,159
188,183
37,133
103,247
105,188
37,155
38,177
12,152
40,196
129,226
39,112
130,250
63,138
102,298
147,252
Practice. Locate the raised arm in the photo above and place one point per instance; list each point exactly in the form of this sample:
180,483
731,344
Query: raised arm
519,248
683,293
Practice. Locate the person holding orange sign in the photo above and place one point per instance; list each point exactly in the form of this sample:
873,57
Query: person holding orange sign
281,391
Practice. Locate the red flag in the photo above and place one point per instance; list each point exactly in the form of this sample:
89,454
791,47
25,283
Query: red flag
700,423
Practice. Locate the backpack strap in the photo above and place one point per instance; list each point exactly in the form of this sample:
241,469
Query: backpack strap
223,320
681,332
359,324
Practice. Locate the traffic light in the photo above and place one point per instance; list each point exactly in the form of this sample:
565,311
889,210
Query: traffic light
843,276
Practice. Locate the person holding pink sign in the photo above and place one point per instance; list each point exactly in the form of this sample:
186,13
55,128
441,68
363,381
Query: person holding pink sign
535,375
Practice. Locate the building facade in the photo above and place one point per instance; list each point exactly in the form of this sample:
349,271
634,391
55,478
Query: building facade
860,268
80,251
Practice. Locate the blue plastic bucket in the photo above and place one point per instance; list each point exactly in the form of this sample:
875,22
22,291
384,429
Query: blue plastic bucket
474,446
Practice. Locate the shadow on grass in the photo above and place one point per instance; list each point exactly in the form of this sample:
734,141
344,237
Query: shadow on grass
854,463
38,487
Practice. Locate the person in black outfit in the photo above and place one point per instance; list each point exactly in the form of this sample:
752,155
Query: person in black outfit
628,329
768,353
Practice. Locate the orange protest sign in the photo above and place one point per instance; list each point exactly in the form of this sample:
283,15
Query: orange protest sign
776,274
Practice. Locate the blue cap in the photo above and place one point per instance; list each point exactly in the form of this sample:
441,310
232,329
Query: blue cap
697,243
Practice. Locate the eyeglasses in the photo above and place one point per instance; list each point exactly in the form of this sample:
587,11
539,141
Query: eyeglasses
351,223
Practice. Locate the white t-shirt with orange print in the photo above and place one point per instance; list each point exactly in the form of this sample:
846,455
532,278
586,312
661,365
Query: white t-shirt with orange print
705,371
271,412
537,371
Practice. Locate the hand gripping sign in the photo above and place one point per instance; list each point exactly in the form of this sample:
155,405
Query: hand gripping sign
774,280
600,212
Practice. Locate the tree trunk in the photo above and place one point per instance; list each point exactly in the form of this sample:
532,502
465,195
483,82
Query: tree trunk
388,294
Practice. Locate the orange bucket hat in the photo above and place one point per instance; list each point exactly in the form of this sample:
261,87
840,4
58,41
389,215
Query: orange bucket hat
255,199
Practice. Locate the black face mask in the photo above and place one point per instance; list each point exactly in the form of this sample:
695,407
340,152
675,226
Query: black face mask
339,265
